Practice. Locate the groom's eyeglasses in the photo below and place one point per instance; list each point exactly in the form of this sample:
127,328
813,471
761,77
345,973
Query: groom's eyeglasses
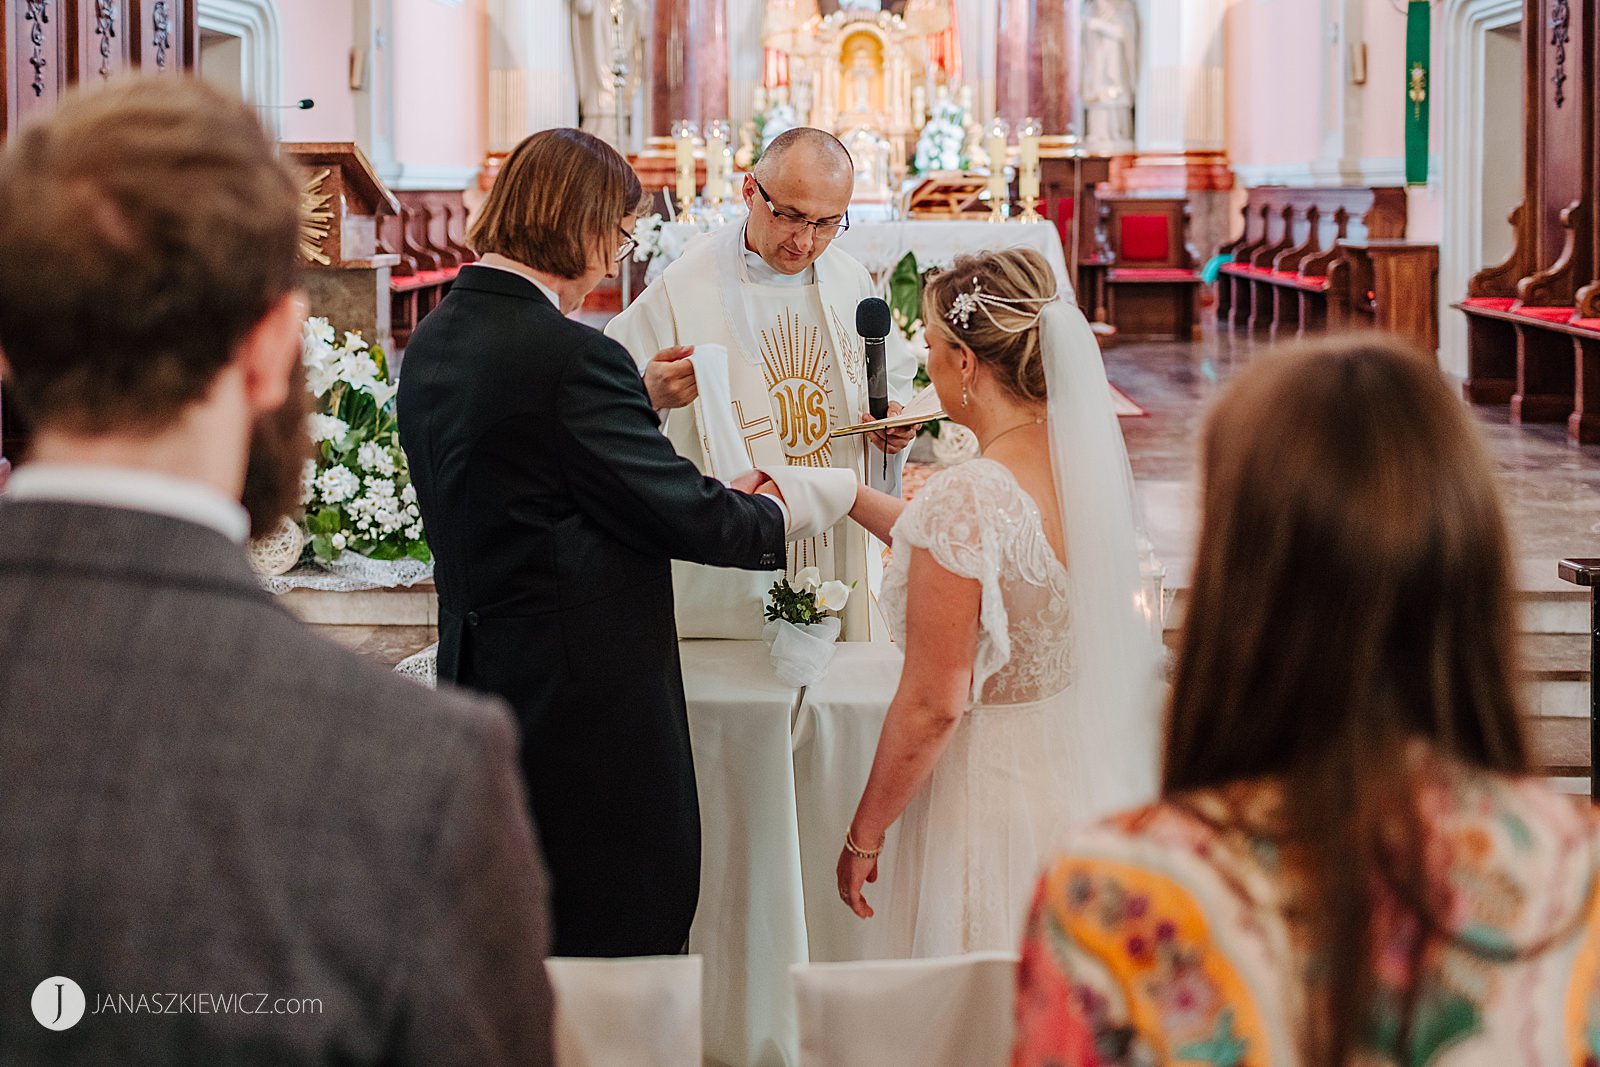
825,231
624,250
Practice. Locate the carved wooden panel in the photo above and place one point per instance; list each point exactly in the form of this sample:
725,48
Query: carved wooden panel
101,33
33,58
165,37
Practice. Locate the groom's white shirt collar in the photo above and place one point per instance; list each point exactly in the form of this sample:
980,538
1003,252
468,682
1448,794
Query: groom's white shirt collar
550,294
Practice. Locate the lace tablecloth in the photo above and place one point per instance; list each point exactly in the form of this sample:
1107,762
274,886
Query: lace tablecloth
350,573
937,242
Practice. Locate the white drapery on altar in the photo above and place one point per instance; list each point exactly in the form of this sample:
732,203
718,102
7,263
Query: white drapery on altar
779,772
937,242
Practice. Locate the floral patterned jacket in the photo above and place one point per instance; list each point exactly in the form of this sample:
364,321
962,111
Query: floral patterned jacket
1161,937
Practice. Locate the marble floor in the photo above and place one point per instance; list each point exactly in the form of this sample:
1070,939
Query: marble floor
1551,489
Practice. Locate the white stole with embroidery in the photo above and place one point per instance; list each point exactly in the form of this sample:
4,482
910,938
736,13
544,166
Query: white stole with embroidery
795,370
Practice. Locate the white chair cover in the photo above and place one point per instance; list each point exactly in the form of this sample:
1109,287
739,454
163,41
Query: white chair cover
952,1011
642,1012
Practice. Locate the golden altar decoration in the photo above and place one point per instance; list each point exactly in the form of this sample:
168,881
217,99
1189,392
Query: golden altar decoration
854,70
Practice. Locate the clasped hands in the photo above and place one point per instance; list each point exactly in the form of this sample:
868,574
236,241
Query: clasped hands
669,379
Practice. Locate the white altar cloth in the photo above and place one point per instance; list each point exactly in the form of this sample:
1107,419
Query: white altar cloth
779,773
936,242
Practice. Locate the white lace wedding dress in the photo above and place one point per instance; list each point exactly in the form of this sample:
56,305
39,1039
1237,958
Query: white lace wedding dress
968,850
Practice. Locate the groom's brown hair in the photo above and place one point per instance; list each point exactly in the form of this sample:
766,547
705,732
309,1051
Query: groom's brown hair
560,193
145,229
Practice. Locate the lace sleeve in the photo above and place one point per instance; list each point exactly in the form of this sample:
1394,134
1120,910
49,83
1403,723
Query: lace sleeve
957,517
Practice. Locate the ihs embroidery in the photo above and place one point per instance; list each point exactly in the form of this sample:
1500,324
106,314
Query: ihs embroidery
793,356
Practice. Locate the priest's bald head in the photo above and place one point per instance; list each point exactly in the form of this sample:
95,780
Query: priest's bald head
797,198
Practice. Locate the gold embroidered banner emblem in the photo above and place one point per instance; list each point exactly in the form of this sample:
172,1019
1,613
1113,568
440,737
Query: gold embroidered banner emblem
793,357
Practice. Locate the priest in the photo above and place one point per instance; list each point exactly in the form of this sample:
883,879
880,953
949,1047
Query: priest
782,300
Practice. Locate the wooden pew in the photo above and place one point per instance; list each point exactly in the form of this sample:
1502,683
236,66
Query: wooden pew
1152,288
1533,320
1312,259
430,237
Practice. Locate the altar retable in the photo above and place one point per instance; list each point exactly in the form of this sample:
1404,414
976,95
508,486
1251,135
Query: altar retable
796,371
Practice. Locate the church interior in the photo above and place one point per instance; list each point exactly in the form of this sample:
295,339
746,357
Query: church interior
1207,179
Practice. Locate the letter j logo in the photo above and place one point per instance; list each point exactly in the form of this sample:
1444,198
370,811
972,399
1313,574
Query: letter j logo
58,1003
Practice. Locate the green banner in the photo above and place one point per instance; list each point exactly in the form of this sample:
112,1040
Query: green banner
1418,90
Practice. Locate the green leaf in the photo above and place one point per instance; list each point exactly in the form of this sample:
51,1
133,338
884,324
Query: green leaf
327,521
322,548
385,550
905,292
419,550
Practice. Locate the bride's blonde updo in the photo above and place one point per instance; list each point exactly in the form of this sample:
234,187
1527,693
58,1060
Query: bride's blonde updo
1000,324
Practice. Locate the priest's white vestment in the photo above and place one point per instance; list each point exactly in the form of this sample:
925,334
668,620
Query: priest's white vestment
796,370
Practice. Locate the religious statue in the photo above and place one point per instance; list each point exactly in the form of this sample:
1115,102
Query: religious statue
1110,72
607,47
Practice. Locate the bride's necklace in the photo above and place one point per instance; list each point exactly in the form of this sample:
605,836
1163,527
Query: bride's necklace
1039,421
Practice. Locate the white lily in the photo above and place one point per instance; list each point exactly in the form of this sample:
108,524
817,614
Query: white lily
833,596
382,391
809,578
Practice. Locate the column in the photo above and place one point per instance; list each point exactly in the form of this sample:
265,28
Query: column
1036,62
531,79
688,63
1180,111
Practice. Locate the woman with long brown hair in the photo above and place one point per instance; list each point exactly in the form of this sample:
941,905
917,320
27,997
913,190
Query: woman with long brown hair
1351,864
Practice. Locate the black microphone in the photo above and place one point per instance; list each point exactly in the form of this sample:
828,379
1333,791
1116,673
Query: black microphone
305,104
873,323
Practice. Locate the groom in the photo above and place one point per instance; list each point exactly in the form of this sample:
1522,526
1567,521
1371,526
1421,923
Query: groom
782,299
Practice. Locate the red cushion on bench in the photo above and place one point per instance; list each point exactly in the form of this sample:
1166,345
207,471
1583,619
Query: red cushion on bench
407,283
1497,303
1145,238
1546,314
1585,324
1151,274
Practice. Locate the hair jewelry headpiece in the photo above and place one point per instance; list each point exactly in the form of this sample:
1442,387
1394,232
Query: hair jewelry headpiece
962,307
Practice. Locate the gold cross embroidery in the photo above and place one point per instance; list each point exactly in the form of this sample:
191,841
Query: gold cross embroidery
762,427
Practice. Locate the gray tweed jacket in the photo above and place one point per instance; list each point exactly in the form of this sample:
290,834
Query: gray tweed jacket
293,855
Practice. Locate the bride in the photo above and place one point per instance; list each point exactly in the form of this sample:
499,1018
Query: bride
1027,702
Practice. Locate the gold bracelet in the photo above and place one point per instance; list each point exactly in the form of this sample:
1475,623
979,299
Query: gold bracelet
857,851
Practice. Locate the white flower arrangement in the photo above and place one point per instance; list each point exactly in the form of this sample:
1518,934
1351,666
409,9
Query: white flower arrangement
803,624
812,602
942,145
357,491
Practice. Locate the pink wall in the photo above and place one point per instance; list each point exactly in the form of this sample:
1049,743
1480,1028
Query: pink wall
441,90
1383,129
1274,95
440,81
316,37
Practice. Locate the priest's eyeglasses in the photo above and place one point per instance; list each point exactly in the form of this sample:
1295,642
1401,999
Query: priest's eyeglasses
825,231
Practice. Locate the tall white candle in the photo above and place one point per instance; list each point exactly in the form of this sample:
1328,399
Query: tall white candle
684,154
1028,164
996,147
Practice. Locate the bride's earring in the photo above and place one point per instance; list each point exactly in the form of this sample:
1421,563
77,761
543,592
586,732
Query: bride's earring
963,394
